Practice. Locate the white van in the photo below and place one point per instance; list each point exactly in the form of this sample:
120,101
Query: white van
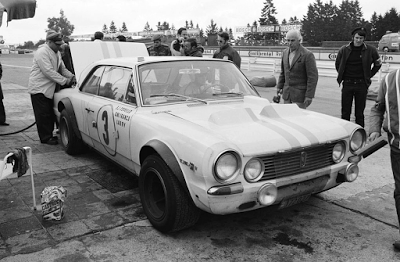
389,42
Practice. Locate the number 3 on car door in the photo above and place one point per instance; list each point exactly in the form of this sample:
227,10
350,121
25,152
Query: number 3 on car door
106,129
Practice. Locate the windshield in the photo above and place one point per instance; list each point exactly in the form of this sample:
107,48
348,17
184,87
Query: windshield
188,81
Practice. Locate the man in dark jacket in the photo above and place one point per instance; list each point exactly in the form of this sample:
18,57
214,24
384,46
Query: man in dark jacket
191,48
226,51
2,110
353,64
158,49
299,74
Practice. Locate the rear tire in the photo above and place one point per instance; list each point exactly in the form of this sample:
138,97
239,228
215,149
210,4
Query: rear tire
166,204
385,49
70,142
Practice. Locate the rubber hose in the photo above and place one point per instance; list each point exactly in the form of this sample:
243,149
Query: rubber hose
19,131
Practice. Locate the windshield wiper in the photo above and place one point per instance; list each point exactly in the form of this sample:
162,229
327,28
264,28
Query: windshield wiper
229,93
186,98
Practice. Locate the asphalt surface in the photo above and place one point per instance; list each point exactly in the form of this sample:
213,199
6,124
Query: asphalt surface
104,220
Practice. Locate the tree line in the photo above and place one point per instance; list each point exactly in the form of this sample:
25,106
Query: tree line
324,21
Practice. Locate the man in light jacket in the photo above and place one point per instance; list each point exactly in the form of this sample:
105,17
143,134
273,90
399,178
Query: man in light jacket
385,113
48,69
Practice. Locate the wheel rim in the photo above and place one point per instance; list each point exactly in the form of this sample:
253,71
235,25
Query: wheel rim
64,132
155,194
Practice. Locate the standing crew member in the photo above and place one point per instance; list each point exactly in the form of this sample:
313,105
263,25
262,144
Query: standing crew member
98,36
299,74
158,49
353,64
226,51
191,48
177,44
2,110
387,102
47,70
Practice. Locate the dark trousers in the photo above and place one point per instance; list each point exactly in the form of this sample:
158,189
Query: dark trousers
44,116
2,112
395,160
358,92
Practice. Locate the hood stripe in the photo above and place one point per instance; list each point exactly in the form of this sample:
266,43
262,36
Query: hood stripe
291,139
310,136
117,49
104,50
273,114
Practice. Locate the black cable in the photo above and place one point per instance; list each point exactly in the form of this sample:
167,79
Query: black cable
19,131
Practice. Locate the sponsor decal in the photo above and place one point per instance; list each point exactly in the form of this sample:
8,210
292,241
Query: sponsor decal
122,116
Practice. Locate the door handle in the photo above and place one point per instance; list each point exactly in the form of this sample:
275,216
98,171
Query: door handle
89,110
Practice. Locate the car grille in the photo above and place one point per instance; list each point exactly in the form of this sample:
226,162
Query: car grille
297,161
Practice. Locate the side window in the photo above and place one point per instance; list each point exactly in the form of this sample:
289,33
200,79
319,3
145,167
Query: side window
91,86
130,94
114,82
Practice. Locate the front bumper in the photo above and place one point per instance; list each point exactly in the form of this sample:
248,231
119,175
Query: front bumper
243,196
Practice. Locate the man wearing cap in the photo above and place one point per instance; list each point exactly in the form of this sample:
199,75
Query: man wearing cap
158,49
356,63
48,69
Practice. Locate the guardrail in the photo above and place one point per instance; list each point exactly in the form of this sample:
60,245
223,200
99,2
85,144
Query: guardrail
325,68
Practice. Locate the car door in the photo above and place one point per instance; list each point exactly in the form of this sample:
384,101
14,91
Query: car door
89,89
110,113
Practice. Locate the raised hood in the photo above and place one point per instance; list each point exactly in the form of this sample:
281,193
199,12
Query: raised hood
86,53
259,127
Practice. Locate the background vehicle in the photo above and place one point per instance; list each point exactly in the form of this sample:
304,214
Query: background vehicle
389,42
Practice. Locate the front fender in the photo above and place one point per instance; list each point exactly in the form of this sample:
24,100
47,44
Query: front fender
66,104
167,155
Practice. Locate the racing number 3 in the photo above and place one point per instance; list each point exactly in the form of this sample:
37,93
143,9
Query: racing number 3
106,129
106,135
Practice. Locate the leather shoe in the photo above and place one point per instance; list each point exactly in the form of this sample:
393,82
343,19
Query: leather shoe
51,141
396,245
4,124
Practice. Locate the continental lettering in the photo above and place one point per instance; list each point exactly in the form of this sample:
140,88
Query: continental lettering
122,116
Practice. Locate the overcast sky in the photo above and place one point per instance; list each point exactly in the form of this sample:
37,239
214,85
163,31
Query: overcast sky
89,16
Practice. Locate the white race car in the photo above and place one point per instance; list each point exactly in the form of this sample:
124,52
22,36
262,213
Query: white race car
198,135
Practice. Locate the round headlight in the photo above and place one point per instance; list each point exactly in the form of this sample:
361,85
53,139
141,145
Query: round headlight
338,152
254,170
226,166
357,140
267,194
351,173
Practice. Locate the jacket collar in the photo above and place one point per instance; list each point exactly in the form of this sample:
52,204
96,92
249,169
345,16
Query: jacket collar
349,45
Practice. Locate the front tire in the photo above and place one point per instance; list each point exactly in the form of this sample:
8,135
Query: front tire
166,204
70,142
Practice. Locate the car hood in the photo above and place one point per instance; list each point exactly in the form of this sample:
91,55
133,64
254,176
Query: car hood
258,127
